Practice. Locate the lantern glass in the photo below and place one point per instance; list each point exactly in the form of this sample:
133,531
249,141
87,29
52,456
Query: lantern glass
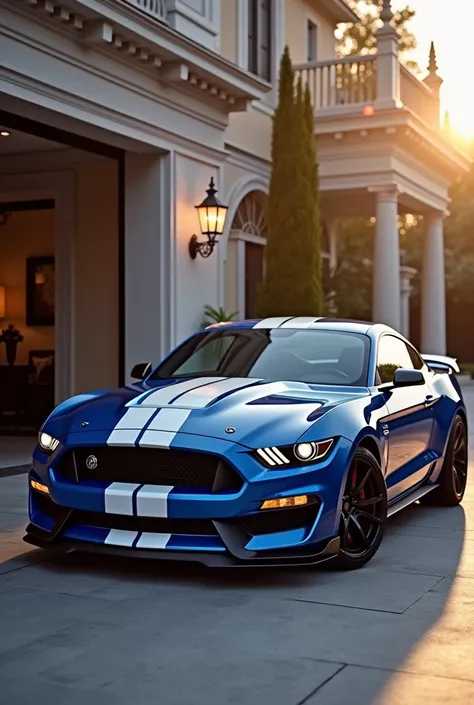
211,213
212,219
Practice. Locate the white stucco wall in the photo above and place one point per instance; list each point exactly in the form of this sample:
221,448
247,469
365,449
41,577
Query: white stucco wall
195,282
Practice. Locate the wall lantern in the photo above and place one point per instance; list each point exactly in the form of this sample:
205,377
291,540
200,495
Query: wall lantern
212,215
2,302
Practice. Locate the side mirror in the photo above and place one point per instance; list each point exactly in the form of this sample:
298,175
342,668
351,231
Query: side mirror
141,371
408,378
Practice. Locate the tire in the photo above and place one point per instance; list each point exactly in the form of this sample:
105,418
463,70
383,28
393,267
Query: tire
453,476
360,517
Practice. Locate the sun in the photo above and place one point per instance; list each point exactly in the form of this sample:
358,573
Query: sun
460,106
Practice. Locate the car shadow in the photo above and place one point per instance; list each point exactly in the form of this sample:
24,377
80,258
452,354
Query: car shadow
399,599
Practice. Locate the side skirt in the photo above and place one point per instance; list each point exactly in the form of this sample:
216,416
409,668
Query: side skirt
409,499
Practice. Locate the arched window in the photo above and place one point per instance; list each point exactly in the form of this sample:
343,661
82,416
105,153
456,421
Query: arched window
248,232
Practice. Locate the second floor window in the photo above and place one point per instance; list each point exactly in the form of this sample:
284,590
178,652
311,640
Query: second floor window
260,38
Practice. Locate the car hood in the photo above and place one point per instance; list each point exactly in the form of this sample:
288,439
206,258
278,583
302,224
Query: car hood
253,413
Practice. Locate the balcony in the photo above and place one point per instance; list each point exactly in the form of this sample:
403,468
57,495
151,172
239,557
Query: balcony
351,83
153,8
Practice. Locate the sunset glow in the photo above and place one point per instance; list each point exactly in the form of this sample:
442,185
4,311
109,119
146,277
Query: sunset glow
450,29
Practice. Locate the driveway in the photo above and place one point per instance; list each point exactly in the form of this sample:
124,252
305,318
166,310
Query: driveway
102,631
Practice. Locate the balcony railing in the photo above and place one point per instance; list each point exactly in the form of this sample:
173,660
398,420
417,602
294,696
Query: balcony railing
355,80
352,79
155,8
418,98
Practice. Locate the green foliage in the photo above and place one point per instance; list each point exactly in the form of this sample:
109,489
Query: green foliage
360,38
216,315
352,280
292,284
459,239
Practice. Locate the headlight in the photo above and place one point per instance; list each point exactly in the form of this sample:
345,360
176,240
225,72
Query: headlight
300,453
47,442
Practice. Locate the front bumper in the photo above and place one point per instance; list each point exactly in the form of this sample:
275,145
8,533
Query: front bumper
223,527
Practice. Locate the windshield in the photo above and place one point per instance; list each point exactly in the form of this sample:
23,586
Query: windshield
312,356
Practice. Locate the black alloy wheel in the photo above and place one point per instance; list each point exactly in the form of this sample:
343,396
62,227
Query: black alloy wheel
453,476
363,512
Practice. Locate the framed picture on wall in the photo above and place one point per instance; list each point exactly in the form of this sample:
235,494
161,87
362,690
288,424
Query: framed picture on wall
40,287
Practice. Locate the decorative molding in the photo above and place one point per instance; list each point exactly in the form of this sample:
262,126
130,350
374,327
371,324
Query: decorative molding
128,132
153,42
174,71
386,193
98,32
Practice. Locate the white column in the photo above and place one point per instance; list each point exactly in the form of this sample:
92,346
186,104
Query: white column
433,297
386,262
406,276
148,269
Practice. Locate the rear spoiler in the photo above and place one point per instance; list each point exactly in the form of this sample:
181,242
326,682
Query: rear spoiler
442,363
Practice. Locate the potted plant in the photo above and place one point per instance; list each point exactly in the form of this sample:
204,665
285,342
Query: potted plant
216,315
11,336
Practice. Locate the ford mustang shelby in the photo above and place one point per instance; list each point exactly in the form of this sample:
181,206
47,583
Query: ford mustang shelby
263,442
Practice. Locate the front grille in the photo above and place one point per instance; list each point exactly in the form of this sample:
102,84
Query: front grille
274,520
202,527
150,466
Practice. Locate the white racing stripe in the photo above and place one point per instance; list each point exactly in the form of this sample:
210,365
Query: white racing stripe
164,427
118,537
164,395
275,322
203,396
149,540
118,498
127,430
152,501
301,322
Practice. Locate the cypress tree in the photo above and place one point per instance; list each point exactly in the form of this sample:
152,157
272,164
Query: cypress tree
292,283
313,169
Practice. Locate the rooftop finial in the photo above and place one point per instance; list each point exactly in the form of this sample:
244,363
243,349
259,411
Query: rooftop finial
386,15
432,66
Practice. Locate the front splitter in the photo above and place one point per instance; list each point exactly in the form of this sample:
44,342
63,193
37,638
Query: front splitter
210,560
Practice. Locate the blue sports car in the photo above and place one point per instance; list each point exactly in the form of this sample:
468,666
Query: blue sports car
277,441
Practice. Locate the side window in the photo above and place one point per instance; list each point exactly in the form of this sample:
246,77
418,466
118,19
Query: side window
392,355
417,361
312,41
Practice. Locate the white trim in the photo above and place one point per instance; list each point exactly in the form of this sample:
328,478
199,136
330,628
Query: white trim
247,237
241,27
168,253
240,189
241,277
59,186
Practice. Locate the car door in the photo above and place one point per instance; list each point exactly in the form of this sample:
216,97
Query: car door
408,426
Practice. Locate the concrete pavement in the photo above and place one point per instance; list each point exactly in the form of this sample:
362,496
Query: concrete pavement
99,631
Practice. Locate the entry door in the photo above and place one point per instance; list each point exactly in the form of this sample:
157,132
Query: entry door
408,427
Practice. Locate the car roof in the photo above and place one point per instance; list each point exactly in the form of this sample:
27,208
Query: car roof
306,322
